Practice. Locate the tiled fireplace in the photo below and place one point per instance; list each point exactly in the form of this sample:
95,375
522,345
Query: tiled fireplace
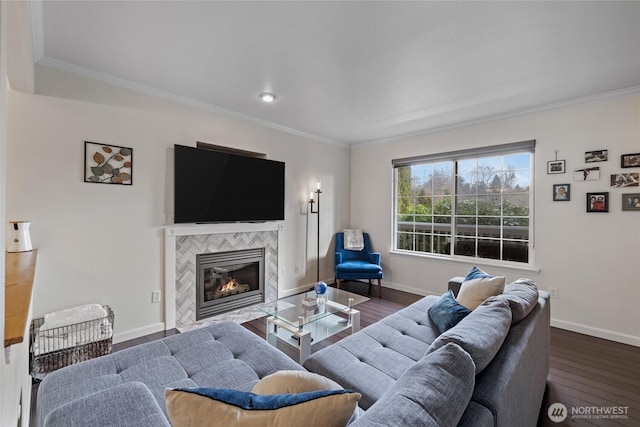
184,244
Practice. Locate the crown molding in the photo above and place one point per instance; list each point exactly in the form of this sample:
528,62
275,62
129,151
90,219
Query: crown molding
612,94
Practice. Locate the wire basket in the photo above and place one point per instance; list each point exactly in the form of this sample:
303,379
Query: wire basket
55,348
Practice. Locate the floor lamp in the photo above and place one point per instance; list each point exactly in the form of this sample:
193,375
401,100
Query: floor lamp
317,212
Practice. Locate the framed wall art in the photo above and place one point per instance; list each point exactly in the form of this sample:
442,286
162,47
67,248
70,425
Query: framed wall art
587,174
555,166
596,156
625,180
561,192
630,160
631,202
598,202
108,164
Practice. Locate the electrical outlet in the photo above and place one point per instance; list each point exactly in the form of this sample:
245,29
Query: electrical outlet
155,296
282,271
297,269
553,292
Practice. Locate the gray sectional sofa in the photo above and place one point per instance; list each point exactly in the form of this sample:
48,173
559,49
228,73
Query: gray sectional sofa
507,338
488,370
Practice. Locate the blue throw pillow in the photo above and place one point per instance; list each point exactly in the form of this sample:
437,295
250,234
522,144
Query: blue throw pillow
476,273
447,312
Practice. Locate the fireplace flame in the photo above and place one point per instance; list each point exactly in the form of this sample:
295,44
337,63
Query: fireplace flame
231,284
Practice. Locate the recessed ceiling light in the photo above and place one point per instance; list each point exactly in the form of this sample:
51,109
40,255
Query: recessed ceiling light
267,97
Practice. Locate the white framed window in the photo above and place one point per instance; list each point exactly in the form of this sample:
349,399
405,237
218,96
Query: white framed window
472,203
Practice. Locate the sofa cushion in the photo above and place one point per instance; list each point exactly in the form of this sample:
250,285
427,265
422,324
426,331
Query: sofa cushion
478,286
522,295
196,407
433,392
115,406
447,312
371,360
481,333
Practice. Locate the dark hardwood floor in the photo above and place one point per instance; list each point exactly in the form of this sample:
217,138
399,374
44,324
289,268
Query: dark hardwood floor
586,374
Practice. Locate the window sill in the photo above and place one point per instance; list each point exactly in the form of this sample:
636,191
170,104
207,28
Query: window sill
529,268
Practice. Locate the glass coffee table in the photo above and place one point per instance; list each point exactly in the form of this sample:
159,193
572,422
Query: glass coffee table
299,319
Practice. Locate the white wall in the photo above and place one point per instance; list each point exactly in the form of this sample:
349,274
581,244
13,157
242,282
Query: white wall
591,258
104,243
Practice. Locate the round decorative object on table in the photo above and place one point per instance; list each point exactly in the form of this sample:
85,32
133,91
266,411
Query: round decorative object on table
321,289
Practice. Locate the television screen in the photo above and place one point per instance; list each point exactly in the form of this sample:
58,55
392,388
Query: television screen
212,186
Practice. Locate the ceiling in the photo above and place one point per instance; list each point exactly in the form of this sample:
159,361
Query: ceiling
350,72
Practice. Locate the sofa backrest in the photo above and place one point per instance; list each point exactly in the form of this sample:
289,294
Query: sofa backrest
481,333
512,386
433,392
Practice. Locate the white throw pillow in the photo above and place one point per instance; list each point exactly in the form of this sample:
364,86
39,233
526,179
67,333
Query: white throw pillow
473,292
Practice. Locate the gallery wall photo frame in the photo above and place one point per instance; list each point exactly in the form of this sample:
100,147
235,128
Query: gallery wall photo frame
619,180
587,173
630,160
108,164
598,202
631,202
596,156
561,192
556,166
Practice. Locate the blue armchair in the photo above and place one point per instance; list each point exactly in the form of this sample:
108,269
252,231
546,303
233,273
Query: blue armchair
354,265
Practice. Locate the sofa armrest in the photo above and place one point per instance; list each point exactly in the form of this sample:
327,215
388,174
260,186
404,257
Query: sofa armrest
374,258
129,404
337,259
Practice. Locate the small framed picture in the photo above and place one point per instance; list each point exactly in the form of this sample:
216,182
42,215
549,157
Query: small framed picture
561,192
596,156
630,160
598,202
555,166
587,174
108,164
631,202
625,179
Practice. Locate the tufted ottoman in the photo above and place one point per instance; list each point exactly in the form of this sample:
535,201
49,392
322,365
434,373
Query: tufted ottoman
127,387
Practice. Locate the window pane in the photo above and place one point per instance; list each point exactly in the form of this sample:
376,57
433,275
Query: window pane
466,205
489,248
405,241
516,161
441,178
489,205
516,204
465,247
442,205
515,251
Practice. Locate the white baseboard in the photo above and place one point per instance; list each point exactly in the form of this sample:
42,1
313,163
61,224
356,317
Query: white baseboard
405,288
138,332
596,332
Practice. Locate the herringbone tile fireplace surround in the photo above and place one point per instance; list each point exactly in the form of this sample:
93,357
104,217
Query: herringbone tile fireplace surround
183,243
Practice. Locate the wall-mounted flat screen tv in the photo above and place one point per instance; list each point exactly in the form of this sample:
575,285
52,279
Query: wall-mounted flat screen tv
212,186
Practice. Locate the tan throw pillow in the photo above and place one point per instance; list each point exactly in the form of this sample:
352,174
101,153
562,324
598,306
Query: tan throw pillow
203,407
477,287
283,382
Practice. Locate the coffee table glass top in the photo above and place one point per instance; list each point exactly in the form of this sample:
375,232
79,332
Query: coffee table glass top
290,309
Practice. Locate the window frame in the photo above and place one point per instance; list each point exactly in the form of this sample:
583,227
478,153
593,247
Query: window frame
454,157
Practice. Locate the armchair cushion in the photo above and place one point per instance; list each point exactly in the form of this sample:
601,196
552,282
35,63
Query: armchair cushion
358,267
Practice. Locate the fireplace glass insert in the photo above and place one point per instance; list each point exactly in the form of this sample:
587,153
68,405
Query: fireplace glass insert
228,281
